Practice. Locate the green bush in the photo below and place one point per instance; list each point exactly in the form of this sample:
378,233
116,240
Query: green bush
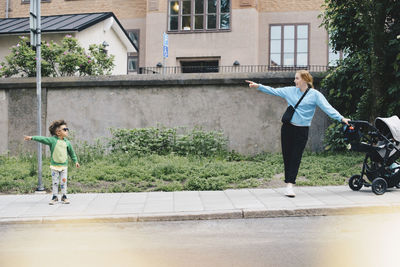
203,184
334,138
347,86
67,59
163,141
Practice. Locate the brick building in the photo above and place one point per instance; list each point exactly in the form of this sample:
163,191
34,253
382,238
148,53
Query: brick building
210,32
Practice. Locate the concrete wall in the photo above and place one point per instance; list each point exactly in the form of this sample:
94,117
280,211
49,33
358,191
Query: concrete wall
92,105
3,121
22,117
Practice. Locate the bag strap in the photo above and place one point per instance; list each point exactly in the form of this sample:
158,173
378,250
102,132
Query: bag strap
301,98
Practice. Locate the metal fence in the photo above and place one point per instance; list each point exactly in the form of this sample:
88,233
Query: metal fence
230,69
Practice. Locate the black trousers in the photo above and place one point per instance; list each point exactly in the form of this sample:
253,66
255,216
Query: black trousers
293,140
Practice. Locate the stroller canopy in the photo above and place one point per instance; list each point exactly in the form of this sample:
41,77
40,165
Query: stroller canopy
389,126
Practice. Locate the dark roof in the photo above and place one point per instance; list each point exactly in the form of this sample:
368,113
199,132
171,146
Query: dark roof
57,23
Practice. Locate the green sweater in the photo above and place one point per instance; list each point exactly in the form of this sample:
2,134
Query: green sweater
60,149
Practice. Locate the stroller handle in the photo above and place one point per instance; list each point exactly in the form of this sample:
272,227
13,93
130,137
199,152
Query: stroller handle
358,122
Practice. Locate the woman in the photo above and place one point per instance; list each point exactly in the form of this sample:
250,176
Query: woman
294,135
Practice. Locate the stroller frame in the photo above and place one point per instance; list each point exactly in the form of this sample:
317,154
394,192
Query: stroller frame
376,165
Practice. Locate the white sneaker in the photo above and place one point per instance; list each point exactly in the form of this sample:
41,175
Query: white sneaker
289,192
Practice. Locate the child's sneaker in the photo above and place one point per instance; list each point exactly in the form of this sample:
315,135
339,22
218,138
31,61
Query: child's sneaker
54,200
64,199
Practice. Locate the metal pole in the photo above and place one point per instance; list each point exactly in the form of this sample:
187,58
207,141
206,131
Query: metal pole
39,95
7,7
39,115
163,65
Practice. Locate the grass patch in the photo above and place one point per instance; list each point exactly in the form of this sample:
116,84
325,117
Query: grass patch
119,172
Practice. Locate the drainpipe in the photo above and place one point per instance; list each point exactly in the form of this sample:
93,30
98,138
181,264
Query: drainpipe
7,7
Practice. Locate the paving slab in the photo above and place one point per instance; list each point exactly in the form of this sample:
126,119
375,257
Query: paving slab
187,201
159,202
272,198
133,198
242,199
215,200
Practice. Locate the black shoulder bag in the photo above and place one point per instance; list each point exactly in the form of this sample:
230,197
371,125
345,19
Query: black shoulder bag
287,116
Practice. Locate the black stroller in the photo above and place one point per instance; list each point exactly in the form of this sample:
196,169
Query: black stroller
381,145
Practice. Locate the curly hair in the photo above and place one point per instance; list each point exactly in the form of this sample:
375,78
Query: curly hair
54,126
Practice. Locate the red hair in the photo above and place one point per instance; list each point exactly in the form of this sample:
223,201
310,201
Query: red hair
306,76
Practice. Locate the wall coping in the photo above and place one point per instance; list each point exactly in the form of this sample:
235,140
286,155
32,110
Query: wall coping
270,78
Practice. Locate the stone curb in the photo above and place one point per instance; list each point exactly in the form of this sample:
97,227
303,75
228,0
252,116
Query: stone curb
184,216
207,215
332,211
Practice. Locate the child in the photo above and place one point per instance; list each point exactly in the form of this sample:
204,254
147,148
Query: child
60,148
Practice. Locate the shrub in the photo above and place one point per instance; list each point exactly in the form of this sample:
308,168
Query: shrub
67,59
162,141
334,137
203,184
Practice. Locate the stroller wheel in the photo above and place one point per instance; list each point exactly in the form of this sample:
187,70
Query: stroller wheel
379,186
355,182
397,185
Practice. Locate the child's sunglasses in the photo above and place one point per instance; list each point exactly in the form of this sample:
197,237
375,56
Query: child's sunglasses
65,129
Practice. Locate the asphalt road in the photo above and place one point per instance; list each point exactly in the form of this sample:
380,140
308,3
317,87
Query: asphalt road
362,240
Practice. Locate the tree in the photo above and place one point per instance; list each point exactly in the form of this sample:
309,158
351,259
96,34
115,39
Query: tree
366,83
67,59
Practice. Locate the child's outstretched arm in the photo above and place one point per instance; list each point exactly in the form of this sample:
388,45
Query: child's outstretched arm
41,139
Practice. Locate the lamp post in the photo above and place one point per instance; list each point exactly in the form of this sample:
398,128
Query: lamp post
34,21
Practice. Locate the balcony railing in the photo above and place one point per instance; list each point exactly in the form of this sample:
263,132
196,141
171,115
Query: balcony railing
230,69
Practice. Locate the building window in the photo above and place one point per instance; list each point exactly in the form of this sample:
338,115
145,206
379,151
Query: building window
334,56
133,63
28,1
199,66
134,36
133,58
289,45
199,15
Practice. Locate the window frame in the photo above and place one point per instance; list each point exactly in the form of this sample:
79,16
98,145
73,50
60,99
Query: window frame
198,59
342,55
133,55
282,39
127,63
29,1
193,15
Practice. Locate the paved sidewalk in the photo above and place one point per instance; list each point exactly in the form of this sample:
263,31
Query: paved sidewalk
196,205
